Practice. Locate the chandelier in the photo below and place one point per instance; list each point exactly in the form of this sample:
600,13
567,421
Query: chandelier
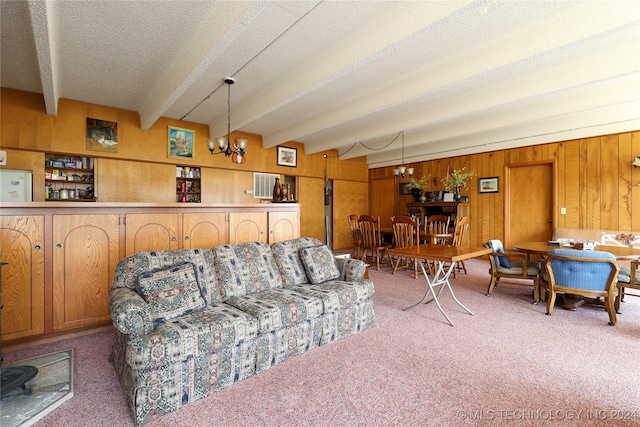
238,149
403,169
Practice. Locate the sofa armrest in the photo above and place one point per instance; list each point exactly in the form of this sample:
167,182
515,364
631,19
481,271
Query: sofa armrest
130,313
351,269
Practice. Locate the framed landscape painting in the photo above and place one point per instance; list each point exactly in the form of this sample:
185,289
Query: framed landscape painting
287,157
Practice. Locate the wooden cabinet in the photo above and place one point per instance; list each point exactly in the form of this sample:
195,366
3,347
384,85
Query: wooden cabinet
22,248
86,250
283,226
62,256
69,178
247,227
151,232
204,229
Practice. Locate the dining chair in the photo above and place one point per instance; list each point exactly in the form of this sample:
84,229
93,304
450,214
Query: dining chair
437,224
628,277
356,236
584,273
405,230
372,239
461,238
511,265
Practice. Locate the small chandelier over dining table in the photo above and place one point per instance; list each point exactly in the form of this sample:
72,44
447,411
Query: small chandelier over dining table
403,169
238,150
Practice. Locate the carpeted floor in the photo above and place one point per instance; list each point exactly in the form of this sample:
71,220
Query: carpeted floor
507,364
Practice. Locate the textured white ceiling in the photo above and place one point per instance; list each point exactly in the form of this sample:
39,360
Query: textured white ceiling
457,77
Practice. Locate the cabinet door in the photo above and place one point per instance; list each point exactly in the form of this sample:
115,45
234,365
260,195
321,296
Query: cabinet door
283,226
22,248
204,230
86,250
247,227
151,232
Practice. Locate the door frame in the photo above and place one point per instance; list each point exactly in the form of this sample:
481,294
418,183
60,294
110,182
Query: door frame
507,196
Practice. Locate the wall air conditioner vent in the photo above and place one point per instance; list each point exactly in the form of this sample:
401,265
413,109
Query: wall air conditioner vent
263,185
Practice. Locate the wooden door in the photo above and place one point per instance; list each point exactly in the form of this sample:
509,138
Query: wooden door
22,248
86,250
151,232
530,203
204,229
247,227
283,226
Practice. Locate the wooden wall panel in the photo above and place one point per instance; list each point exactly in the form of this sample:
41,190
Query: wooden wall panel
311,199
382,200
348,198
595,182
122,181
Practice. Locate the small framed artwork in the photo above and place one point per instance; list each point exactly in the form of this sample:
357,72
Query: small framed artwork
488,185
102,135
287,157
404,188
180,143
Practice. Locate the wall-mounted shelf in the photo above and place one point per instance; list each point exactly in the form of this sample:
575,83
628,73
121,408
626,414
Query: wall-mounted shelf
188,185
69,178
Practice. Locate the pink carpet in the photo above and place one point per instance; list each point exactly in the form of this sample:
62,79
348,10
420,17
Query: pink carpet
509,363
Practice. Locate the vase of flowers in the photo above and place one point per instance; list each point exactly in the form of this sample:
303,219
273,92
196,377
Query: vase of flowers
456,180
417,186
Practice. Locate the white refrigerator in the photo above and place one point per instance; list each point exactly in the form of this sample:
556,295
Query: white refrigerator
15,185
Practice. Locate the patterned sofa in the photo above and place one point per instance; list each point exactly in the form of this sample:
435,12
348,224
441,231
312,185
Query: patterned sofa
192,322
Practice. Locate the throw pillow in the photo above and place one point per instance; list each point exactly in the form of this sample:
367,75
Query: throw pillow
171,292
504,261
319,264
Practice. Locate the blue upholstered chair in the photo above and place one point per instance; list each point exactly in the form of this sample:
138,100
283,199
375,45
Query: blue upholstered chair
509,264
584,273
625,281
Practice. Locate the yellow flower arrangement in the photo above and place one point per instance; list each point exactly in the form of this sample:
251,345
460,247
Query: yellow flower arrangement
418,184
457,179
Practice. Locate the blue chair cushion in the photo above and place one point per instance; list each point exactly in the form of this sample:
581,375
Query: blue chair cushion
581,275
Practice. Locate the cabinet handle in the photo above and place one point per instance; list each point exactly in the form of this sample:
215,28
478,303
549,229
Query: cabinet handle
58,245
37,247
186,237
173,239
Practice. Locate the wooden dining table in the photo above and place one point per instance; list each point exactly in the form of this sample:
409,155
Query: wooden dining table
441,254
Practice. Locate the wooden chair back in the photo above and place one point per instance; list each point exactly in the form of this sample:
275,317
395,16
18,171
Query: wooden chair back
437,224
370,231
356,236
461,233
404,230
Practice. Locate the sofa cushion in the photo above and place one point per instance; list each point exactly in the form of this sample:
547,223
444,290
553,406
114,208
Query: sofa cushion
278,308
214,329
336,294
504,260
319,264
171,292
129,269
287,256
245,268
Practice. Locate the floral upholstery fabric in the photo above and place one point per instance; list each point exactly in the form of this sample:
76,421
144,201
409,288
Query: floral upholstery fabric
351,270
130,313
171,292
245,268
278,308
277,346
129,269
319,264
287,256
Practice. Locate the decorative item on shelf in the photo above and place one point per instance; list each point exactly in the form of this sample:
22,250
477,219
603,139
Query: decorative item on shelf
456,180
417,186
402,169
277,191
238,149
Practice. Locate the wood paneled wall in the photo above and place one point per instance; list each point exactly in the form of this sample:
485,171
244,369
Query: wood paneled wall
141,171
595,183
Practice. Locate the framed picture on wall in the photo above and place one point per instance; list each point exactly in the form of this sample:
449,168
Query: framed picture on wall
180,142
287,157
488,185
102,135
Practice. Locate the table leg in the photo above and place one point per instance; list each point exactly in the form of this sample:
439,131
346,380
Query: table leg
440,278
